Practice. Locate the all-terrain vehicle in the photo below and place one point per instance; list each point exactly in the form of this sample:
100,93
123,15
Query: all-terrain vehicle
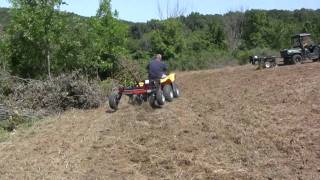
154,91
303,48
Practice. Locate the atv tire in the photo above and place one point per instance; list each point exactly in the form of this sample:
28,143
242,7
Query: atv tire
168,92
176,90
153,102
161,100
297,59
114,101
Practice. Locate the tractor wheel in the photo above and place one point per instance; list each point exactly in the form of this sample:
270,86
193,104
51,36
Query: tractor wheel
297,59
168,92
161,100
176,90
114,101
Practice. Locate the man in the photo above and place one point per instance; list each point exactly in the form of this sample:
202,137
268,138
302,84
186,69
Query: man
156,68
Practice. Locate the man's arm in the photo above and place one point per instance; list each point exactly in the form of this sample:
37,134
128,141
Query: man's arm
164,67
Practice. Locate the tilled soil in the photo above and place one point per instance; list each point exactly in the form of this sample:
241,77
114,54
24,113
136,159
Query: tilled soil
231,123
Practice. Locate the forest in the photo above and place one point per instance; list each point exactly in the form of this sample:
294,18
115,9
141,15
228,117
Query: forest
38,41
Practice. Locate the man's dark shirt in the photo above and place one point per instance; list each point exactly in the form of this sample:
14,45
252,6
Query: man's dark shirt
156,69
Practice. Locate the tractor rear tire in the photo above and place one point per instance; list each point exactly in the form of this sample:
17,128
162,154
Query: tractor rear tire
168,92
176,90
114,101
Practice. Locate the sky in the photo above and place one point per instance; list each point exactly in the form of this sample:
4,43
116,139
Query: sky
144,10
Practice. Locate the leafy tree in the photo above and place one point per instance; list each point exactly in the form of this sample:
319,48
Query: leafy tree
72,50
168,40
3,51
255,28
216,35
33,29
195,21
233,26
109,36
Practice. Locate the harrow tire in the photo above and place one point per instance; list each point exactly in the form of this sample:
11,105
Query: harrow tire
113,101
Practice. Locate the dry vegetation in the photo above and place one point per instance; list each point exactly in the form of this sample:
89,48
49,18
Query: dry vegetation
22,100
233,123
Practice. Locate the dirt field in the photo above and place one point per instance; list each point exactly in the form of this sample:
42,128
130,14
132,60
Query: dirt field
232,123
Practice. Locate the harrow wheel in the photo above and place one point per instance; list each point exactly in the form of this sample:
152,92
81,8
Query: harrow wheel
114,101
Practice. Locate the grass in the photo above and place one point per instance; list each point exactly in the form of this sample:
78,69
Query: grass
7,127
4,135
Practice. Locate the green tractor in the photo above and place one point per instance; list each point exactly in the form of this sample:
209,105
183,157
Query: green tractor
303,48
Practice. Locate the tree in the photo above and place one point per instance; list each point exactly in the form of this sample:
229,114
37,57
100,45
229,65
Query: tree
233,24
195,21
255,28
215,35
110,37
35,25
72,48
168,40
3,51
168,12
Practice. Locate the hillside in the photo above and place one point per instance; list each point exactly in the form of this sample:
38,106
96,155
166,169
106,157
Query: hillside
231,123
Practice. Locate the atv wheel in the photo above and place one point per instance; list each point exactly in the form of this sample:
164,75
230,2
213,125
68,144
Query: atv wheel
161,100
176,91
114,101
297,59
168,93
153,102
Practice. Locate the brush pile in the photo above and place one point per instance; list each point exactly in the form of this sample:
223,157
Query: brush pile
30,97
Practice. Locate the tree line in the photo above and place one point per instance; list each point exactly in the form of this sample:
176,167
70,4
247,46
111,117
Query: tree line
41,41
